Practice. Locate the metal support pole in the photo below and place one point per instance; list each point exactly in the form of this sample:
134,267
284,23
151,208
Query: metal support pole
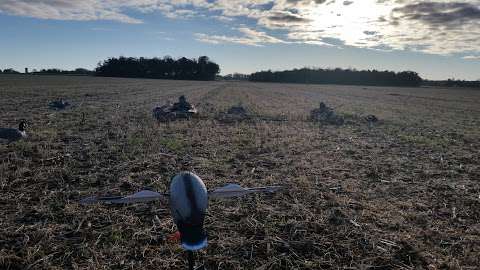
191,260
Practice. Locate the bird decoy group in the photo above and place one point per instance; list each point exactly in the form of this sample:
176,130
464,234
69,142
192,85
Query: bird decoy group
185,110
188,196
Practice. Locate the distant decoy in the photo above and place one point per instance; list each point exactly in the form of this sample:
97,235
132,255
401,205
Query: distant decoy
59,104
13,134
188,200
326,115
178,110
371,118
239,110
162,113
182,105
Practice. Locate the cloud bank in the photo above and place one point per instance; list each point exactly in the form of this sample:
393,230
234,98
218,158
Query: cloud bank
437,27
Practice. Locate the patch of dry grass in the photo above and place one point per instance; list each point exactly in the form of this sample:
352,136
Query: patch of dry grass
401,195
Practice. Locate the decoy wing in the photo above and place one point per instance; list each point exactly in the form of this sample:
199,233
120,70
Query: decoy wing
141,196
235,190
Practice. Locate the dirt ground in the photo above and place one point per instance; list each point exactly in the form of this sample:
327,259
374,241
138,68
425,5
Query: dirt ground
401,194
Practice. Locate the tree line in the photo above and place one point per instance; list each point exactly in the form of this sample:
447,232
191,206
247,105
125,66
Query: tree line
56,71
453,83
159,68
339,76
235,77
9,71
50,71
204,69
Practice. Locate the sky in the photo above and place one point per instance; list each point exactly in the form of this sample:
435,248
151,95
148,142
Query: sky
439,39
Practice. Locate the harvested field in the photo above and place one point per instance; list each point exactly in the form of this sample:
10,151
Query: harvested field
403,194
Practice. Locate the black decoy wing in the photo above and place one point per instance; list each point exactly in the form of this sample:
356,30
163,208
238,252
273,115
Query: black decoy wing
141,196
235,190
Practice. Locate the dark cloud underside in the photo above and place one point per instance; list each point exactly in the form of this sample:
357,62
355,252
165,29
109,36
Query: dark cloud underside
438,14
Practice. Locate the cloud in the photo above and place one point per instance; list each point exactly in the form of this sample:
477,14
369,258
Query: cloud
285,17
472,57
223,18
436,26
84,10
249,37
370,33
440,27
439,14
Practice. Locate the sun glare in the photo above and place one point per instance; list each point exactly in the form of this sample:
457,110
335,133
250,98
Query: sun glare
352,22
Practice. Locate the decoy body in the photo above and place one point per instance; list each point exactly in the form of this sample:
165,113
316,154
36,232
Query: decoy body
178,110
182,105
371,118
188,200
59,104
188,205
13,134
162,113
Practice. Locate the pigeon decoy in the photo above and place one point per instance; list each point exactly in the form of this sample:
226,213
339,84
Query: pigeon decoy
59,104
162,113
371,118
13,134
188,200
182,105
188,206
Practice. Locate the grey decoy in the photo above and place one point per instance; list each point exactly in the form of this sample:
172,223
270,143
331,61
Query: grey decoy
14,134
59,104
371,118
178,110
188,206
188,200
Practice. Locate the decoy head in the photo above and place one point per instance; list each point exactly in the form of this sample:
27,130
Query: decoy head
188,205
23,125
182,99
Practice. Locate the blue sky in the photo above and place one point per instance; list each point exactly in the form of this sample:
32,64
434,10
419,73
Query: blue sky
439,39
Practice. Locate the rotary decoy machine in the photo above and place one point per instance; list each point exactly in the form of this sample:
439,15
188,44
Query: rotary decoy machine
188,198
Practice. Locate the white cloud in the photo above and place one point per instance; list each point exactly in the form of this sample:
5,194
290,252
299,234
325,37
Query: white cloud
472,57
440,27
84,10
437,26
249,37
